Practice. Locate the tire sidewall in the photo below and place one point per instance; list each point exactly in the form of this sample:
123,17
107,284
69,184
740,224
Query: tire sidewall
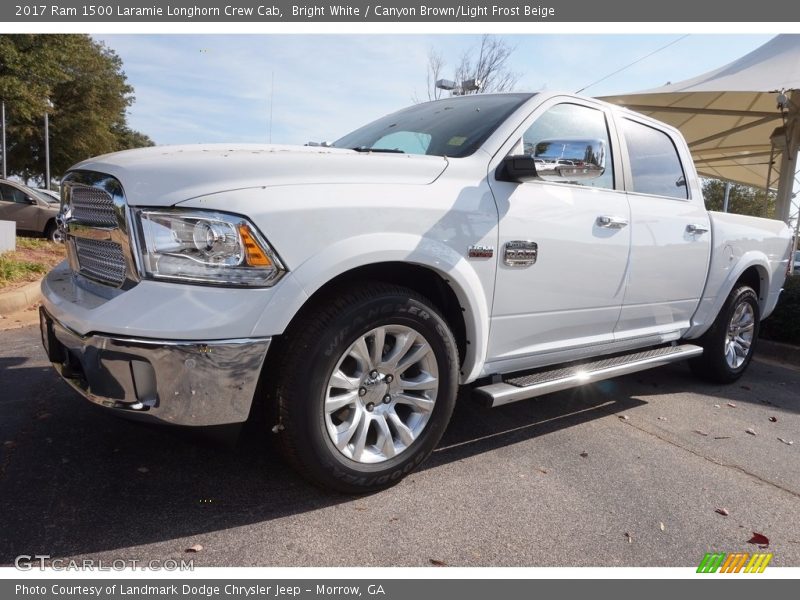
319,453
740,295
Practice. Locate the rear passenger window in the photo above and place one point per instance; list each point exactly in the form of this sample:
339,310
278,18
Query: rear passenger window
655,166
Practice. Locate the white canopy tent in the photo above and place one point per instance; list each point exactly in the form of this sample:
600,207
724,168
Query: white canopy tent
742,121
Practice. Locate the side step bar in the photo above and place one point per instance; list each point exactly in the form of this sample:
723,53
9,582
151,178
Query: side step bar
537,383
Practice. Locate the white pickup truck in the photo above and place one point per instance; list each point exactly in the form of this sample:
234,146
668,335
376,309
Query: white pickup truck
518,243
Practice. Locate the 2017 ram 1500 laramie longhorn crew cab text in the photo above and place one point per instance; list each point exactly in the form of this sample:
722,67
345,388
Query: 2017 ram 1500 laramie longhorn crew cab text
520,243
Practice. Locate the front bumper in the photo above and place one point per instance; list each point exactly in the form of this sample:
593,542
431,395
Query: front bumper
196,383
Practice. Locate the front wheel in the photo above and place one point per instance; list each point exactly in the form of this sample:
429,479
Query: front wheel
366,387
729,345
53,233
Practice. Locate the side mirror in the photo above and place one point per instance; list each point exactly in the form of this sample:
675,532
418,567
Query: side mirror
560,160
30,199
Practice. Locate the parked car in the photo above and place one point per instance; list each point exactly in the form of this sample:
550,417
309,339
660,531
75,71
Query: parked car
32,210
52,195
352,289
796,264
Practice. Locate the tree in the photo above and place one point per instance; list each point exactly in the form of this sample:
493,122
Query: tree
743,200
87,87
486,63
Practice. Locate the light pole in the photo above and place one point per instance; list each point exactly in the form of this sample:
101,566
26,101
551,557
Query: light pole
456,89
3,118
47,145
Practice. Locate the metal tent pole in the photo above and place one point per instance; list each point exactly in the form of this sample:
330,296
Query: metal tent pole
788,168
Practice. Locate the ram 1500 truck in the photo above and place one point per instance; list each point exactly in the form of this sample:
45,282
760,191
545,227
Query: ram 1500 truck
517,243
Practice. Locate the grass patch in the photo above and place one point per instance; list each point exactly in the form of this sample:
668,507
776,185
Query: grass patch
33,258
32,243
15,270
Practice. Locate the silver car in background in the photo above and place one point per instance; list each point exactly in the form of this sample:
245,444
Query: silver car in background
33,211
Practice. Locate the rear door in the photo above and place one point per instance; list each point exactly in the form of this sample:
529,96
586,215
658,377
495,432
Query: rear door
670,232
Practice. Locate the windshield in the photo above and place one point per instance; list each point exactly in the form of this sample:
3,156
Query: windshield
44,196
453,127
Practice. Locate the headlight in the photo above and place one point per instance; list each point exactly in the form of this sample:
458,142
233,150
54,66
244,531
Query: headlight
206,247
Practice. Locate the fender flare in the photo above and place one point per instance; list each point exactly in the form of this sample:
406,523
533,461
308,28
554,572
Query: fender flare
369,249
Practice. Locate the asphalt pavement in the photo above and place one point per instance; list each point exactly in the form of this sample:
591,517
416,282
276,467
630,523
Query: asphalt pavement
629,472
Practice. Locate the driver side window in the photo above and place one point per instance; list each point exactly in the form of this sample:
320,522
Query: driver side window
12,194
565,121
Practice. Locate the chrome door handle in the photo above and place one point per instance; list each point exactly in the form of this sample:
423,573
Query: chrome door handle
694,229
610,222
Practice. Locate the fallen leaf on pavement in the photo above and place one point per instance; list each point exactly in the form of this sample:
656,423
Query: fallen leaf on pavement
624,417
773,419
722,511
722,437
717,406
699,432
731,404
541,470
437,563
143,470
661,526
787,442
584,454
195,548
760,539
662,418
629,536
750,430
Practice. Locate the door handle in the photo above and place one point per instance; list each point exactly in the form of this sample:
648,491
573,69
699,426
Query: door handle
610,222
695,229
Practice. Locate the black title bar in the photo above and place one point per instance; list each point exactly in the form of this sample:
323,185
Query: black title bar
395,11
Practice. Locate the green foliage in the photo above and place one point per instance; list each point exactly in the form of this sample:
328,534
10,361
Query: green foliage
13,269
89,92
743,200
783,325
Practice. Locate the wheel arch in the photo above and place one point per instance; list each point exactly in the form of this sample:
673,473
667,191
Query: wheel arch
428,267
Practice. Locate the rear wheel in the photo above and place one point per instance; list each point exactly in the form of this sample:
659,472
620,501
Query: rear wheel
365,388
729,345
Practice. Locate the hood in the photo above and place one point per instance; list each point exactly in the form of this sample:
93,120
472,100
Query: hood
164,175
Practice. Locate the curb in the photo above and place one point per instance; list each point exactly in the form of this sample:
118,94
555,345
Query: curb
20,298
778,351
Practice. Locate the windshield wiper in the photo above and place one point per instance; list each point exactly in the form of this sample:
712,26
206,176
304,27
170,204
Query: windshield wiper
368,149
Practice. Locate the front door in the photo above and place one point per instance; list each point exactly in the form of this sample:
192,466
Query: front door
15,206
572,294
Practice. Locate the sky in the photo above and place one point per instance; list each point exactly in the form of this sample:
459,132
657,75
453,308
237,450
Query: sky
298,88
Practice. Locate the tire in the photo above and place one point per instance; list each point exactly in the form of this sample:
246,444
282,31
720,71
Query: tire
729,345
348,418
53,233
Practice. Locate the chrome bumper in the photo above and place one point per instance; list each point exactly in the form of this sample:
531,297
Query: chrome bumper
195,383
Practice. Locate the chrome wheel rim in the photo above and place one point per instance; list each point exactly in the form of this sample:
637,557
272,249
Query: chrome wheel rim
739,338
381,394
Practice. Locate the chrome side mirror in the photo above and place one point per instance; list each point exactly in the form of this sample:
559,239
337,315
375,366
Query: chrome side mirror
561,160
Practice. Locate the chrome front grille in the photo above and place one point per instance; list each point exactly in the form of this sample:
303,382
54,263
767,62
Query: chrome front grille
93,206
101,260
95,222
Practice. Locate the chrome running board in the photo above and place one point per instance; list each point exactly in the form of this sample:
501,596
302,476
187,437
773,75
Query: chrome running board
545,381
